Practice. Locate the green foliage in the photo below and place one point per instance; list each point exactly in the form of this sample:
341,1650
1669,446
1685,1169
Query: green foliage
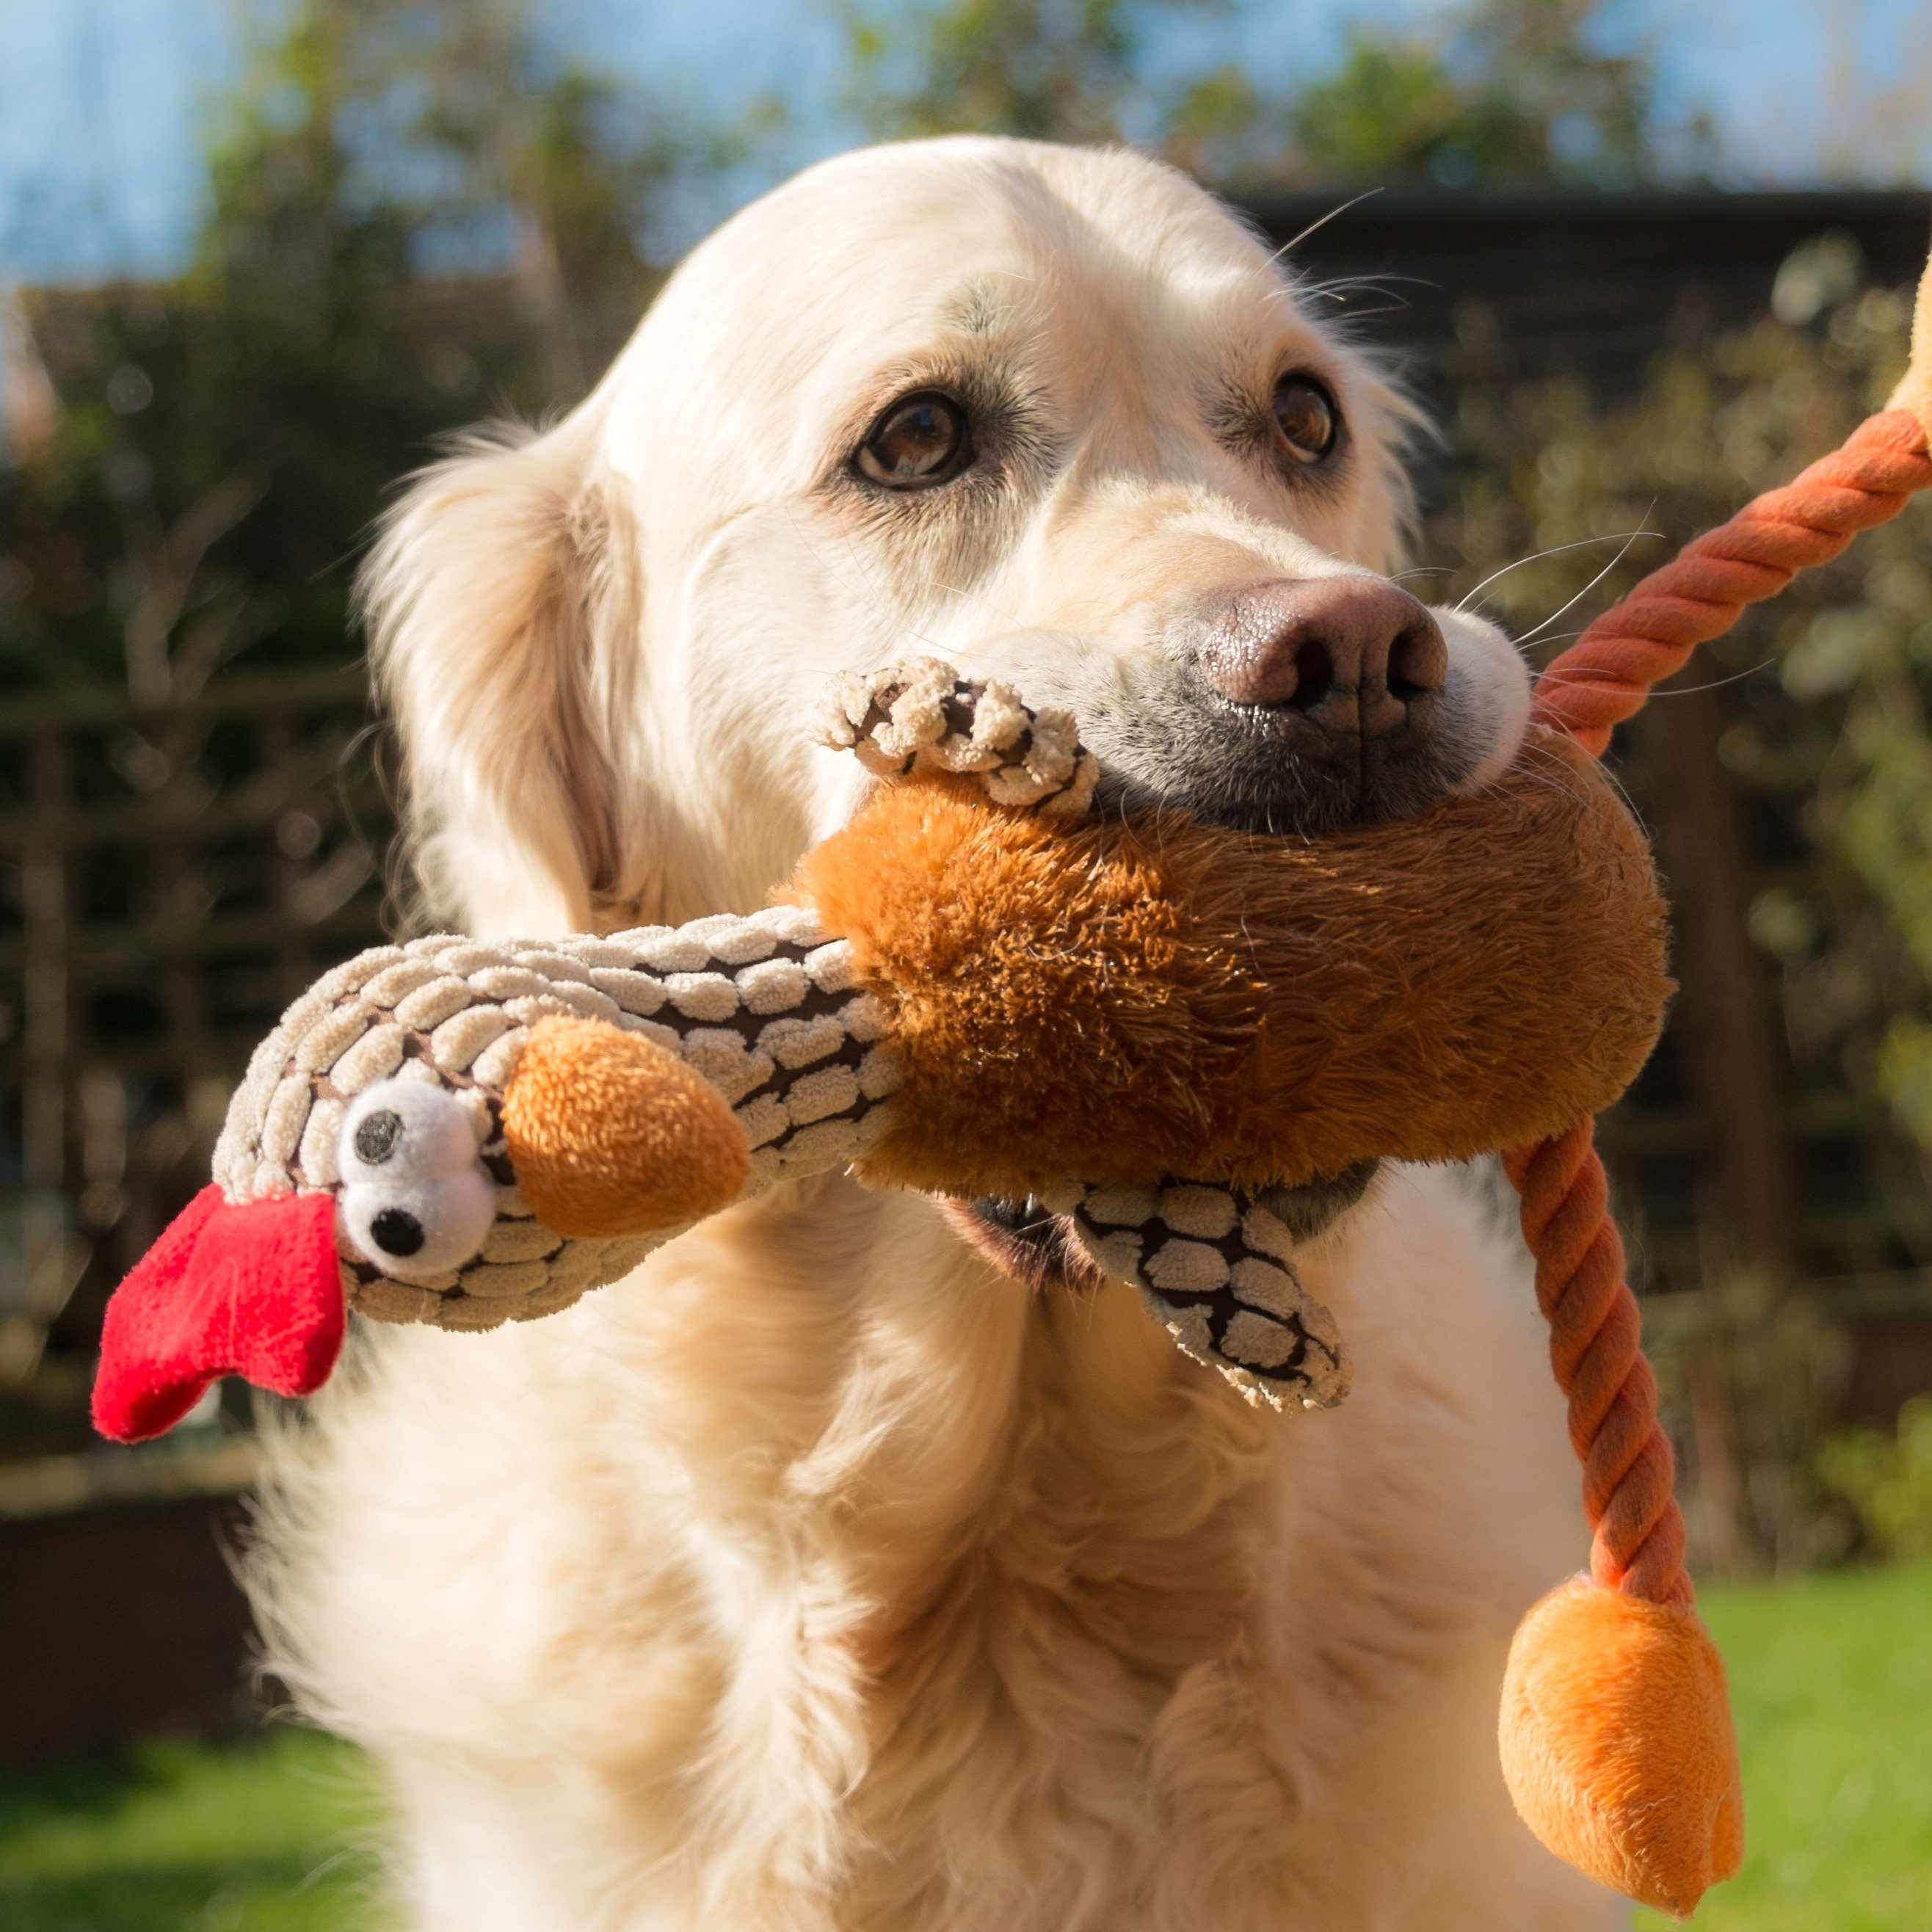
1392,107
1878,654
1044,70
414,220
276,1837
1832,1684
1501,90
1512,90
1213,123
442,123
1887,1479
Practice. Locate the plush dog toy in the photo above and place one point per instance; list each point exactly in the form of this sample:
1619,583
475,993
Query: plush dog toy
1155,1028
977,981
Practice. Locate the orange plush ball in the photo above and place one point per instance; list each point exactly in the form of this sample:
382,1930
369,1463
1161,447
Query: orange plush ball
1618,1746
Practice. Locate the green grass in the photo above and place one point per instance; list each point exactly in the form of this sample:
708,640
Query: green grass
1831,1682
1832,1677
275,1838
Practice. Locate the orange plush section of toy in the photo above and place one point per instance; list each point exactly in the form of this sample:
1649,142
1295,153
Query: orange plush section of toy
611,1135
1122,999
1915,389
1618,1747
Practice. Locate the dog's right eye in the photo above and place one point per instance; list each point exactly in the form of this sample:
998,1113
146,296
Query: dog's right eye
919,441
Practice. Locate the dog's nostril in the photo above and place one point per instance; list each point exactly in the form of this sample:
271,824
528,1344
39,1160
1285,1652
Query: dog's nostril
1417,663
1314,676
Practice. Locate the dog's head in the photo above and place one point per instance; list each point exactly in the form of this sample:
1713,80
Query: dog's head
1050,414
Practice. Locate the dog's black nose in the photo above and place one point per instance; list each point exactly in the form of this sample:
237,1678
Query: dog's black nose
1349,655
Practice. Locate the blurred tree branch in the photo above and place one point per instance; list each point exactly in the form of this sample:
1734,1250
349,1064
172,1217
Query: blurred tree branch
1043,69
1493,91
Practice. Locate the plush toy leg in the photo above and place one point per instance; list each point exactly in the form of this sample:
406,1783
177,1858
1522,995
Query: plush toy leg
1617,1743
612,1135
1616,1735
1616,1732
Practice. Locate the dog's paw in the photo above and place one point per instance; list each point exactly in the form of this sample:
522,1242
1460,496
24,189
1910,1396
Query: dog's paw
919,714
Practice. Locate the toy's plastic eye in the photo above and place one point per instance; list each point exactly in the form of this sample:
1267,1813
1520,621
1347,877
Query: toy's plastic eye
428,1228
396,1232
403,1131
416,1199
377,1135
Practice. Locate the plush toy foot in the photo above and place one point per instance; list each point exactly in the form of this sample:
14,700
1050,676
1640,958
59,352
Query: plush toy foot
253,1290
612,1135
1618,1747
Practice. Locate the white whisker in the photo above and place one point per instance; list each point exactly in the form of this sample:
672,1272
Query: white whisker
1295,242
1529,636
1555,550
1716,684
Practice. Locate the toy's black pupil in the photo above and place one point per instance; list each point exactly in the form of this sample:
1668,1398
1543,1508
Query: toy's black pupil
394,1231
376,1139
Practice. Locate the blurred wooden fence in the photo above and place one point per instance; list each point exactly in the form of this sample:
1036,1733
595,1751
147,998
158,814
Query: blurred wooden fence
170,876
1573,281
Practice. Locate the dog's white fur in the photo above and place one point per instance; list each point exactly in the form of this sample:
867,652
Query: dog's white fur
818,1576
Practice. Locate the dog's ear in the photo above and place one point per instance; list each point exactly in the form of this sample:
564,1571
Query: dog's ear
503,612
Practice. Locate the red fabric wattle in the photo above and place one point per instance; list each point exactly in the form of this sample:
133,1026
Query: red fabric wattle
253,1290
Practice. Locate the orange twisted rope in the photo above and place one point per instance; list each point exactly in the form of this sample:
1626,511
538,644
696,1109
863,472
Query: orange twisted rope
1606,674
1636,1528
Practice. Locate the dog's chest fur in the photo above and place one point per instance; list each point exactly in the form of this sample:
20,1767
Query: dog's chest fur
1020,1536
1020,1697
818,1578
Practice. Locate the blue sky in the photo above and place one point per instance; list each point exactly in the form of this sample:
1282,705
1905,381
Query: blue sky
103,102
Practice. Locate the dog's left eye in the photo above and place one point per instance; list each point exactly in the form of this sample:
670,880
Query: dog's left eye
920,441
1305,413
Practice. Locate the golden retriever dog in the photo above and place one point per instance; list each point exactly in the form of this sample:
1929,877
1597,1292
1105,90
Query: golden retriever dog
848,1568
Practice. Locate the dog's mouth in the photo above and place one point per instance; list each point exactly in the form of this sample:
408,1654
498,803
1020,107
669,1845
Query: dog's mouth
1023,1240
1264,770
1038,1249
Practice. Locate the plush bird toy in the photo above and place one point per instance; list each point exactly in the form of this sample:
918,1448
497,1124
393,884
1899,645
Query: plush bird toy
1160,1031
972,985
